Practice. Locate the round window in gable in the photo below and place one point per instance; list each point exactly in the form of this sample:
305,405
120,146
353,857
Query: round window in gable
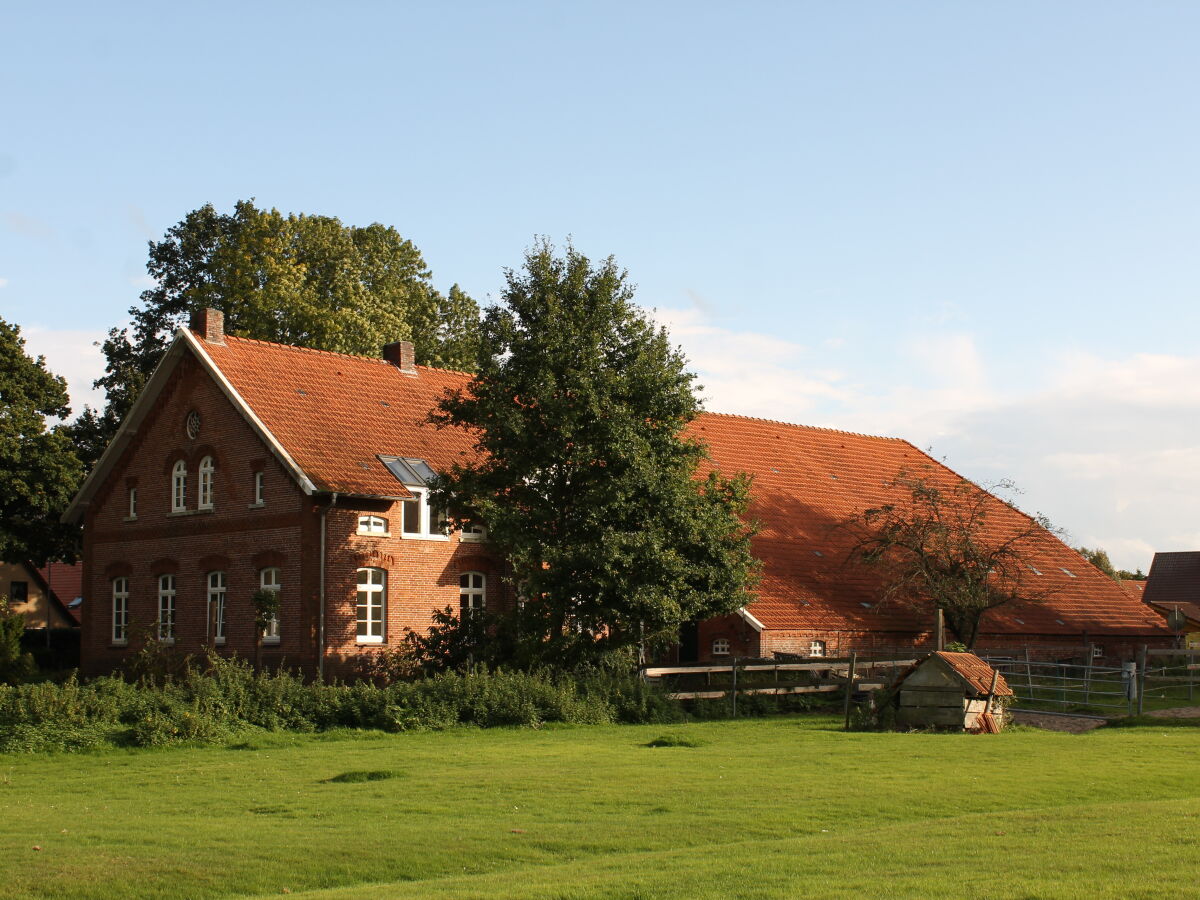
193,424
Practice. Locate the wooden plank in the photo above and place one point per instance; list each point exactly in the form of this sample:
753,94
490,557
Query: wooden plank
817,664
802,689
918,716
931,700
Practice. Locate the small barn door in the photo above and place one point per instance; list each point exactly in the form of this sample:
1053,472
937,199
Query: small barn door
689,642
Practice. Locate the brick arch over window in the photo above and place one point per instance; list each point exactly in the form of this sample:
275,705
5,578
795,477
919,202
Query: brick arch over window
119,569
269,559
165,566
213,561
202,450
173,457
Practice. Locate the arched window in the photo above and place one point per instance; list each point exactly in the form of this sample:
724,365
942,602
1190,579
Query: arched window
205,498
179,487
216,605
720,647
166,608
268,580
372,605
372,525
120,610
472,593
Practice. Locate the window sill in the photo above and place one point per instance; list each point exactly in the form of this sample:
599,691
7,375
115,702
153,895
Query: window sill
369,640
376,534
424,537
270,642
259,505
472,538
167,642
129,519
219,642
117,645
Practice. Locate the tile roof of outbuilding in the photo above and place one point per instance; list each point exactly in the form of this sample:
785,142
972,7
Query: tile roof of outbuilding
975,672
336,413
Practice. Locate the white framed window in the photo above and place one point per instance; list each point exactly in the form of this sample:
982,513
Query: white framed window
268,580
372,525
166,608
816,648
472,593
473,533
258,489
132,503
372,605
720,647
179,487
216,605
418,520
204,499
120,611
1097,651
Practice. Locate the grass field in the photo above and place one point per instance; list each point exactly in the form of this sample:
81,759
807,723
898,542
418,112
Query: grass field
762,808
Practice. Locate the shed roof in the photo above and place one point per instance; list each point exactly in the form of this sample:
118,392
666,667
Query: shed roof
974,671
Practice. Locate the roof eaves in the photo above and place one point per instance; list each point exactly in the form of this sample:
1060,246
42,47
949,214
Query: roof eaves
244,408
750,619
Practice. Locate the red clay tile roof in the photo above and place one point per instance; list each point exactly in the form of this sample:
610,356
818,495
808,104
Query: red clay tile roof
334,413
1191,610
1133,588
975,672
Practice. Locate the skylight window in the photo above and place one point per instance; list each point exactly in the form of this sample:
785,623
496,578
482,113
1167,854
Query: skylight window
409,471
867,605
817,553
1068,572
1035,570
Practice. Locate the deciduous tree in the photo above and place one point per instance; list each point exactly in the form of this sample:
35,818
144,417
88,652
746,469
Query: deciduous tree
39,471
297,279
940,546
584,477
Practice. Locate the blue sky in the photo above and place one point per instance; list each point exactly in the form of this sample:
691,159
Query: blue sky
970,225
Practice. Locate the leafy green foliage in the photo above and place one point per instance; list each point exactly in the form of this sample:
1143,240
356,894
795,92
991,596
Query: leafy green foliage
39,471
1099,558
585,480
936,549
296,279
15,663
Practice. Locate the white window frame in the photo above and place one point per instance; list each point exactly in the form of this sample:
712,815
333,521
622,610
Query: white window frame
269,580
472,597
371,605
120,611
216,596
258,490
817,649
132,503
166,608
204,497
720,647
426,519
473,534
179,486
373,525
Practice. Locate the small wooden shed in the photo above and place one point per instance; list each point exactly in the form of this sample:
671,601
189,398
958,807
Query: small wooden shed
951,690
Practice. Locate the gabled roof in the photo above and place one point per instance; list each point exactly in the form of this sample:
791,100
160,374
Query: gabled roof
329,417
1174,578
974,671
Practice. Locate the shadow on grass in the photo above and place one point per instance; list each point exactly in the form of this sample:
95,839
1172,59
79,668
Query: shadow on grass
674,740
360,776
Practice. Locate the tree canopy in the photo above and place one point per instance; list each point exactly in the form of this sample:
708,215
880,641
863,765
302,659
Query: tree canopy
936,548
296,279
39,471
584,478
1098,557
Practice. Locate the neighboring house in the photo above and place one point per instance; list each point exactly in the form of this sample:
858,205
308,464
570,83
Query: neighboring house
247,465
1174,583
38,593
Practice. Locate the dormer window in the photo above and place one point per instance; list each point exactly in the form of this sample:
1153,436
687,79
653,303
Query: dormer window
372,525
417,519
179,487
205,500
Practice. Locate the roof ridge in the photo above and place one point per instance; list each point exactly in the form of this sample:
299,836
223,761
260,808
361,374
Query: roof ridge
875,437
246,340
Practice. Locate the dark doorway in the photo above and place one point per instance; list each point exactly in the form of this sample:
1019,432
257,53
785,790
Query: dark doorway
689,642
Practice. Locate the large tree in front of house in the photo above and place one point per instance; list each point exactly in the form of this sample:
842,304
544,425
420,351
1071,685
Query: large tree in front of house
939,545
39,471
305,280
584,477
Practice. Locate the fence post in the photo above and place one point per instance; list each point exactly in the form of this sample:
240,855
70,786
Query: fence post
733,691
1087,675
1141,697
850,686
1029,673
1130,685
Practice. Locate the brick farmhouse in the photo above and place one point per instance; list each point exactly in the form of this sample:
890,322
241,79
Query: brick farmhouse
247,465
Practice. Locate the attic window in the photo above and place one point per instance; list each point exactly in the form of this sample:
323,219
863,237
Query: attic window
1019,621
1060,621
1035,570
1068,572
409,471
817,553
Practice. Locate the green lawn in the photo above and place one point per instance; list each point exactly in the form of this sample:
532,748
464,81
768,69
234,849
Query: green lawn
767,808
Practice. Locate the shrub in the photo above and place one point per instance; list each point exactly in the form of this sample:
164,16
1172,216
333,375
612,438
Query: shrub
15,664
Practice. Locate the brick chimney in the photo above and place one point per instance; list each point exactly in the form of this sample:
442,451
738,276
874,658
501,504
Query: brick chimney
400,354
210,325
